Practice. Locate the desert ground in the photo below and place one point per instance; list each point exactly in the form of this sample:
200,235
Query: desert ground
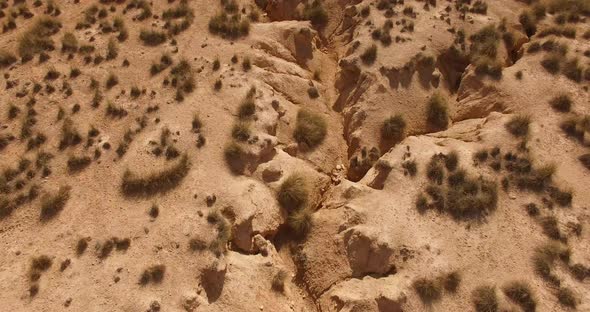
292,155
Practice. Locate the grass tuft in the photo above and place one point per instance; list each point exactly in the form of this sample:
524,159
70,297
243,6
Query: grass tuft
520,292
52,204
293,193
393,128
429,291
310,128
518,125
437,112
484,299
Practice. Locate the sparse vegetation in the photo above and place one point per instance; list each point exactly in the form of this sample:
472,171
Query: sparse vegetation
157,182
518,125
37,38
437,112
369,55
315,13
229,26
78,163
52,204
520,293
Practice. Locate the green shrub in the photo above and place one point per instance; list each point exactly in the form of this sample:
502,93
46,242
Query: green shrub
429,291
484,298
520,293
293,193
310,128
157,182
151,37
518,125
393,128
52,204
369,55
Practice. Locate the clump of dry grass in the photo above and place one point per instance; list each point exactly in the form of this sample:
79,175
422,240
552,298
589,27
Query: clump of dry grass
6,58
437,112
428,290
52,204
278,281
224,233
393,128
520,292
37,38
518,125
566,297
152,38
310,128
369,55
154,274
157,182
78,163
229,26
484,299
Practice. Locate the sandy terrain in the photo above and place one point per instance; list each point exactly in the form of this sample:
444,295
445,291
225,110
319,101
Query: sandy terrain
283,155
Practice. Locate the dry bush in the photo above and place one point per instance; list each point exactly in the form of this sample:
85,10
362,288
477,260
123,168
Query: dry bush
429,291
552,63
229,26
310,128
293,193
224,233
300,221
37,38
520,292
369,55
451,281
241,131
151,37
278,280
154,274
6,58
550,227
52,204
78,163
518,125
235,157
585,160
112,49
69,135
393,128
437,112
544,259
315,13
69,43
484,299
567,297
156,182
81,246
